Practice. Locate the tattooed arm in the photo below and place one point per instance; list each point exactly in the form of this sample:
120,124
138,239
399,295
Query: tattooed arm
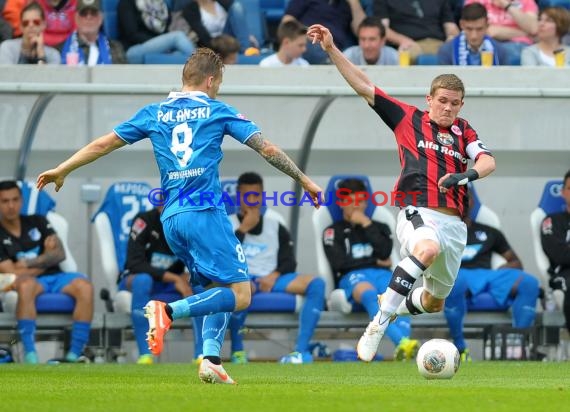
279,159
53,254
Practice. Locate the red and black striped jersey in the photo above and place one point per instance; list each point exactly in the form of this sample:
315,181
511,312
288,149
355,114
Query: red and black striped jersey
427,152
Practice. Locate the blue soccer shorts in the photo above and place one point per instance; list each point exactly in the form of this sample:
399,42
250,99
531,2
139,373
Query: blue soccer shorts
377,277
205,241
55,282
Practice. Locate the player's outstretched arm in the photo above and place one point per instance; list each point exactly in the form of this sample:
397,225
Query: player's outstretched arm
355,77
279,159
89,153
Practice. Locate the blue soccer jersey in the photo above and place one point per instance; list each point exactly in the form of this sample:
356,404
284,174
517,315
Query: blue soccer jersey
186,131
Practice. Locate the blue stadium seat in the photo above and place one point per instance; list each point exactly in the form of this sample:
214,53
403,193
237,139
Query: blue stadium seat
273,9
110,18
551,201
261,302
112,221
39,202
165,58
426,60
256,21
367,6
331,212
553,3
484,302
34,201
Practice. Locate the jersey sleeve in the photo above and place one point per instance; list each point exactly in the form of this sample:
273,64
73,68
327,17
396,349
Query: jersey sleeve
44,227
475,147
238,126
4,254
390,110
136,128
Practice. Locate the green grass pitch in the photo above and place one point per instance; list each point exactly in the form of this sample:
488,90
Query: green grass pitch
323,386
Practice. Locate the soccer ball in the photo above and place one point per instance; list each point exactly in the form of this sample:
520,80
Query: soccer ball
438,359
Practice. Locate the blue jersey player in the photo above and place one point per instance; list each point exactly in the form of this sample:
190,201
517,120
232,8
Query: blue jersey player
186,131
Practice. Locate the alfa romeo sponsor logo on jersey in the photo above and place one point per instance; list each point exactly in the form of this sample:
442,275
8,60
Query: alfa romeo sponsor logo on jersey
445,139
443,148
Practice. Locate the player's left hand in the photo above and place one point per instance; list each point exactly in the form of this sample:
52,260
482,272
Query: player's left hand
314,191
50,176
456,179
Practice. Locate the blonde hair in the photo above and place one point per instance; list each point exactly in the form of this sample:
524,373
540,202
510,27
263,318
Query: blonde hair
202,64
448,82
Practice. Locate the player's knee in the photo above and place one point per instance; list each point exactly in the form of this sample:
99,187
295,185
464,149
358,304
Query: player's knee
141,283
529,285
26,286
426,252
243,298
432,304
82,290
316,287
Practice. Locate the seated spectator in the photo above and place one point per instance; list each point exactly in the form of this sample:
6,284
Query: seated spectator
372,47
30,48
152,268
88,45
60,20
143,29
465,49
342,17
358,250
5,30
553,24
555,237
292,38
12,12
508,284
420,27
268,249
212,18
227,47
31,249
513,23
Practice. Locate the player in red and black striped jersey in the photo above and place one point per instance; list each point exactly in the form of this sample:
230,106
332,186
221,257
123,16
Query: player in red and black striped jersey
434,147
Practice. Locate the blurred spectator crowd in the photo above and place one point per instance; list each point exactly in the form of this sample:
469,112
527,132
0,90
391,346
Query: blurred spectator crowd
273,32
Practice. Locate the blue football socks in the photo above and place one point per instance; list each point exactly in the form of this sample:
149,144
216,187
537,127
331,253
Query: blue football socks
524,305
237,321
79,338
27,330
141,288
213,333
215,300
310,313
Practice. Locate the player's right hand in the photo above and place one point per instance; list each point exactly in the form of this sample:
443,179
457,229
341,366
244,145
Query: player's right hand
314,191
50,176
318,33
